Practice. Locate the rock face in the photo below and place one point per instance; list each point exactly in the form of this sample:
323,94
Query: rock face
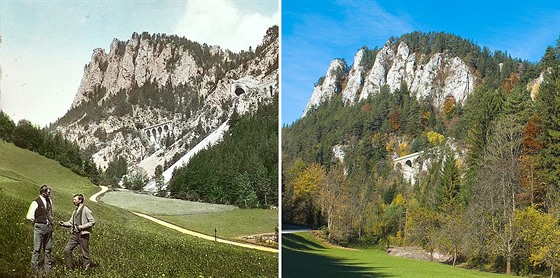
329,87
438,76
534,85
355,79
377,76
213,83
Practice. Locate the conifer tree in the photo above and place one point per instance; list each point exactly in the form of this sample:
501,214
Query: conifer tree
548,107
449,185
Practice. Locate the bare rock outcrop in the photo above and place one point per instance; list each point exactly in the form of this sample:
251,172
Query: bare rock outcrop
437,76
329,87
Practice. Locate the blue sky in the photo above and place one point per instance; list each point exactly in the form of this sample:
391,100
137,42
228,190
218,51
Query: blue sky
45,44
314,33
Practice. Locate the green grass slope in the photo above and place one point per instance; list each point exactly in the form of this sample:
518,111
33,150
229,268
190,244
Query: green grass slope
229,221
122,245
154,205
304,256
229,224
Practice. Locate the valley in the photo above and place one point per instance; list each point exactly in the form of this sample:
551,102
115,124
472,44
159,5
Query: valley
122,245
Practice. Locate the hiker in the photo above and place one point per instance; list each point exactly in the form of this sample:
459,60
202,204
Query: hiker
81,223
40,213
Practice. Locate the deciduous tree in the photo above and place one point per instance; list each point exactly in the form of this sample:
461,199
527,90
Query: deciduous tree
498,185
542,232
7,127
332,199
306,188
424,227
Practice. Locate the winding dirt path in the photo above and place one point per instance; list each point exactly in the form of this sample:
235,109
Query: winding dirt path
93,197
104,189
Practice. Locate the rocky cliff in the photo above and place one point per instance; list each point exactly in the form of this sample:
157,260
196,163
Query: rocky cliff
159,95
330,86
437,76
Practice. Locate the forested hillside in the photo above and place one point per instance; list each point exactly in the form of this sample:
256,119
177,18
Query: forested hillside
491,166
52,145
242,170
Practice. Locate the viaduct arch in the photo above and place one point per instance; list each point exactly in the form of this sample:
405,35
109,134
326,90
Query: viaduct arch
157,131
408,165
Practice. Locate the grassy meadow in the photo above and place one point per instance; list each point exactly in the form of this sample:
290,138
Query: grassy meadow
302,251
122,245
229,224
229,221
153,205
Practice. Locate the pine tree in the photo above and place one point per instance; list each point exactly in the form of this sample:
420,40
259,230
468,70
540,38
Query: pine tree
449,185
548,107
550,58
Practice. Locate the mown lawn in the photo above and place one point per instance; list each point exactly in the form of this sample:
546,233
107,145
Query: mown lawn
153,205
229,221
122,245
304,256
229,224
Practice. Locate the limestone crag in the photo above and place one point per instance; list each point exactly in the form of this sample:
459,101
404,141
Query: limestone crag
377,77
402,69
438,76
534,85
329,87
214,83
135,62
355,79
339,152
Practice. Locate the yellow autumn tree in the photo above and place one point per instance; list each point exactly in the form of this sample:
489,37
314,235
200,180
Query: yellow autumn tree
306,188
404,149
399,200
307,183
542,232
435,138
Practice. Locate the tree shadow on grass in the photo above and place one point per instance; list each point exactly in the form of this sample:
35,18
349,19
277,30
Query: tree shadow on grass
298,260
297,242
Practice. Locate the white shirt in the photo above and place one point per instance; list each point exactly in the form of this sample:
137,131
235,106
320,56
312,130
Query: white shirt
33,207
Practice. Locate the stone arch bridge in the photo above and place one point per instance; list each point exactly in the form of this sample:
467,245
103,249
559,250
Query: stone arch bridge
158,131
408,166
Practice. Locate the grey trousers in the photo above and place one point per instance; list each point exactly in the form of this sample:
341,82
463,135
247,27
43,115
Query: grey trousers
75,240
42,239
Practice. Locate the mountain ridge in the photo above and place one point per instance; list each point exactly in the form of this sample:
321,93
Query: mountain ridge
154,79
430,65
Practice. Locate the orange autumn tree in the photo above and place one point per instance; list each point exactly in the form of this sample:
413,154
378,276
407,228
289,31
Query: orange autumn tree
533,191
394,120
510,82
449,106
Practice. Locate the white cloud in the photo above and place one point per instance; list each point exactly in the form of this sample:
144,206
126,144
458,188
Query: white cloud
223,23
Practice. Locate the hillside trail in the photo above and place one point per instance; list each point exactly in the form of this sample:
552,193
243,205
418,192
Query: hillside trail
93,197
104,189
